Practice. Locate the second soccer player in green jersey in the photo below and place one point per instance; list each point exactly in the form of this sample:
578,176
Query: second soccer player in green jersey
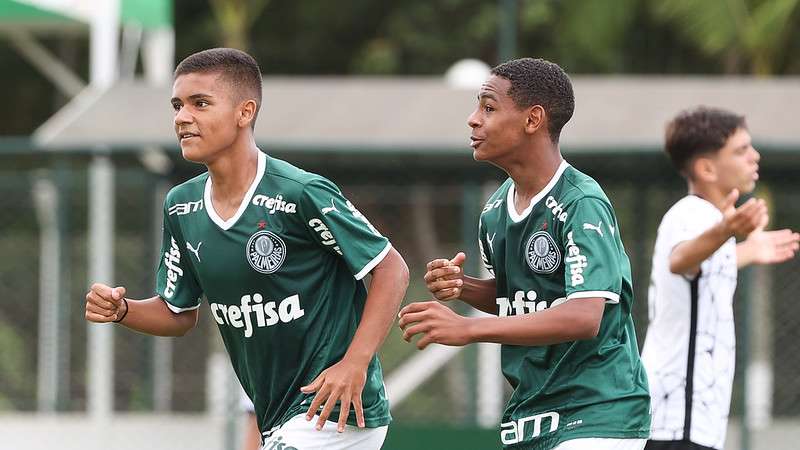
561,285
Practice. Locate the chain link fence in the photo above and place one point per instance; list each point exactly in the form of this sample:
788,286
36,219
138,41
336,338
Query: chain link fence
427,204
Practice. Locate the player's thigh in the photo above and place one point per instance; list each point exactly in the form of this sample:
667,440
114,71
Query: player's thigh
300,434
674,445
602,444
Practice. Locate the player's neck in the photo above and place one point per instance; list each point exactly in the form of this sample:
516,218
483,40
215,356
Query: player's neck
533,170
232,174
708,192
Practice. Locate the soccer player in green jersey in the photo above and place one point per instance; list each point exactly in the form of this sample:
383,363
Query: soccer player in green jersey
561,289
280,254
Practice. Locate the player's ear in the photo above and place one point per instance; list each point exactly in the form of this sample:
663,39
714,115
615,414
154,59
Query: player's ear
703,169
247,112
536,119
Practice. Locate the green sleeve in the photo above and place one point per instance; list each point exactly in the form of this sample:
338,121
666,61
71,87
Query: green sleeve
591,251
175,281
337,226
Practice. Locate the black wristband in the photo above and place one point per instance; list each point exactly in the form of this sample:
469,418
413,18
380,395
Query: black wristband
126,311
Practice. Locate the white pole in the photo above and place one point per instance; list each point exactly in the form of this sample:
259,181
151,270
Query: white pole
103,71
46,201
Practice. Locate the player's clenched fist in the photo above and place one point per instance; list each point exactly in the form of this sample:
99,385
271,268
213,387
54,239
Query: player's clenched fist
105,304
445,277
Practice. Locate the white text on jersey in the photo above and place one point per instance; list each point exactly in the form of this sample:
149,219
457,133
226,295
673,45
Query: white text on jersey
266,314
514,432
172,260
324,234
275,204
185,208
576,261
556,208
524,303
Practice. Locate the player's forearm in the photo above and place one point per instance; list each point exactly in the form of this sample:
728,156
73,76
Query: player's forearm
745,254
480,294
386,291
687,256
152,316
572,321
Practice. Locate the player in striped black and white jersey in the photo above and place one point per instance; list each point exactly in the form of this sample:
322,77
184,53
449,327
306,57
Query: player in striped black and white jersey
689,351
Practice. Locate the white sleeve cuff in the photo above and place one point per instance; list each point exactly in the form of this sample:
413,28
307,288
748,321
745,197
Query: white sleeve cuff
375,261
610,297
176,309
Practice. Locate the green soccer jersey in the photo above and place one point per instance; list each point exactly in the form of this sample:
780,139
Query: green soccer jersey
282,278
564,247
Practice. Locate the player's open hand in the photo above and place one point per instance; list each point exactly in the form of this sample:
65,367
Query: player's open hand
772,247
104,303
436,323
342,382
445,277
741,221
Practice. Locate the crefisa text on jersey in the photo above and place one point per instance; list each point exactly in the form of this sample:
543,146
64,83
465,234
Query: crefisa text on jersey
172,259
267,313
576,261
275,204
524,302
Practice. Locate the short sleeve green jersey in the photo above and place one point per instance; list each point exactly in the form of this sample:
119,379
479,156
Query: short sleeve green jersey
565,247
282,278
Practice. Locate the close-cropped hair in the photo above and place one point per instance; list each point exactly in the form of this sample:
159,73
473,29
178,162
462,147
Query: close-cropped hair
699,131
236,68
540,82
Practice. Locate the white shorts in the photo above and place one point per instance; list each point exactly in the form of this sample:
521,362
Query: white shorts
602,444
299,434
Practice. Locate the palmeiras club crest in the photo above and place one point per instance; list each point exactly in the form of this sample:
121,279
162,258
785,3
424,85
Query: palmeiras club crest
542,253
265,251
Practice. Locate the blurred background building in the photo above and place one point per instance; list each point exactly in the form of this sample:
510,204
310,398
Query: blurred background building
373,95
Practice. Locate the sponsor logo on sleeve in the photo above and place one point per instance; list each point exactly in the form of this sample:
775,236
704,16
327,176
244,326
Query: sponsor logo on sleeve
324,234
265,252
254,311
172,261
181,209
275,204
529,427
357,214
541,253
575,261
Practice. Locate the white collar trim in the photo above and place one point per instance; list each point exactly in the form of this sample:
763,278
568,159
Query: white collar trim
512,211
227,224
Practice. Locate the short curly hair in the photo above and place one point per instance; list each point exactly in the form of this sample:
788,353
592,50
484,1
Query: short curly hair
236,67
537,81
699,131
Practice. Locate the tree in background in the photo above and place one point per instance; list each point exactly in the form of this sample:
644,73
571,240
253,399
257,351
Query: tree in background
235,19
749,35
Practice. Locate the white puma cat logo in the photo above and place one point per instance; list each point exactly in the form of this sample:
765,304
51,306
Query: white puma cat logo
196,251
591,226
325,211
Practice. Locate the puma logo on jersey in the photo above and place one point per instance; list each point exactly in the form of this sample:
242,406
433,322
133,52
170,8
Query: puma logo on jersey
196,251
181,209
591,226
254,308
324,234
556,208
275,204
524,303
576,261
529,427
172,261
328,209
